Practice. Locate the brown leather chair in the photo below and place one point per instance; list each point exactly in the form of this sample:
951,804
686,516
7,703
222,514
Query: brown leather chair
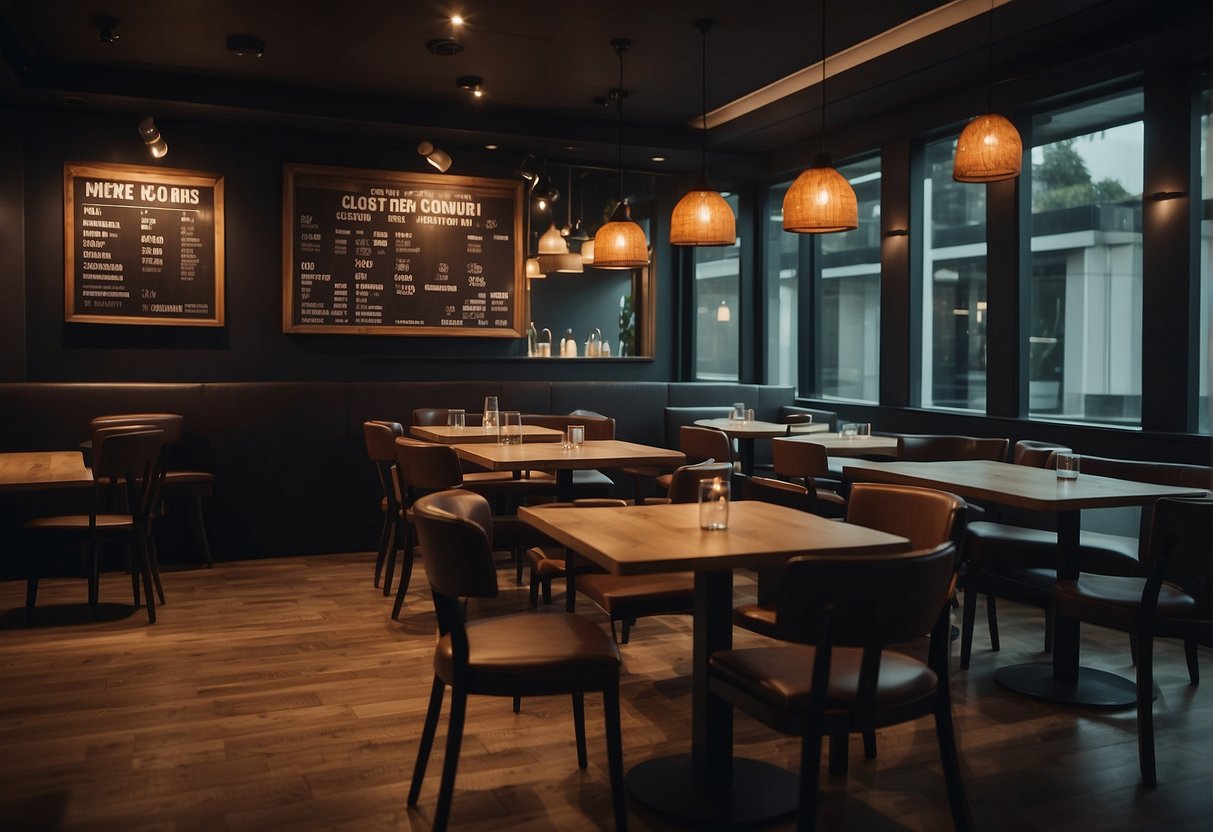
185,484
840,678
1019,563
779,492
697,445
590,482
942,448
380,438
809,464
126,463
1172,600
549,562
526,654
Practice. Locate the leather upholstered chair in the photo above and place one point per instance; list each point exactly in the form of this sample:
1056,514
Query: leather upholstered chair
380,438
1172,600
942,448
527,654
126,462
549,562
697,445
839,677
189,485
588,482
809,463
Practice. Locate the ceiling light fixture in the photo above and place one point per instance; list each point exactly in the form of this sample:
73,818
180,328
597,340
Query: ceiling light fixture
620,244
246,46
435,156
820,200
456,20
472,83
152,138
989,148
723,315
702,217
554,255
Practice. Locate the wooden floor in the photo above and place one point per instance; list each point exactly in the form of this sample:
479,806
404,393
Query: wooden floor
278,694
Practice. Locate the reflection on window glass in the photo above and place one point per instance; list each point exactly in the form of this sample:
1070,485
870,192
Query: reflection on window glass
781,255
1084,325
848,300
717,319
954,286
1206,251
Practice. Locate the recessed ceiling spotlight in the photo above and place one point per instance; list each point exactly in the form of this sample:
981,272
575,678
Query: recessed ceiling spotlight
106,23
246,46
657,158
444,47
573,148
456,20
490,147
472,83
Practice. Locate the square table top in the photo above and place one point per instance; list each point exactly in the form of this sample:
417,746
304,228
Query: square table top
1020,486
756,429
636,540
448,435
839,445
607,453
35,470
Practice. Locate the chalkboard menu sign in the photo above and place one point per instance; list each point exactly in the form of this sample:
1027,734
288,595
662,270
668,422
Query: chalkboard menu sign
143,245
373,252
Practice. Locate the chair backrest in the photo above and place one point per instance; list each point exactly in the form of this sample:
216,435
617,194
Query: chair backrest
820,417
798,423
454,528
431,416
684,479
941,448
805,460
380,438
1182,534
173,424
426,466
869,599
781,493
1033,452
596,427
925,516
701,444
128,457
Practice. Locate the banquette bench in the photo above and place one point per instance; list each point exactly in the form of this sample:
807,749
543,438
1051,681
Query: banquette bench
291,471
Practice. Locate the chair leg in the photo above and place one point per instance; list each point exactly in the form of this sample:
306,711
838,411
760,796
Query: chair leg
200,530
1049,623
1193,665
403,589
547,591
626,629
838,753
1145,709
579,728
869,744
519,557
533,594
1133,648
94,575
810,777
968,621
427,739
517,704
381,555
962,816
992,622
390,563
614,741
135,592
154,562
145,570
454,738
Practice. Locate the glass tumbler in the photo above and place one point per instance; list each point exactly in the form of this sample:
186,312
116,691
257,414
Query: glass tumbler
714,503
489,420
456,418
1067,464
510,430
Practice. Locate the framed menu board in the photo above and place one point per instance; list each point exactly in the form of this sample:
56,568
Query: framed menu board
143,245
371,252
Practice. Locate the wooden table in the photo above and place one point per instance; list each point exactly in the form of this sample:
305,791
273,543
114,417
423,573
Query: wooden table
39,470
708,787
746,432
598,453
838,445
1038,489
451,436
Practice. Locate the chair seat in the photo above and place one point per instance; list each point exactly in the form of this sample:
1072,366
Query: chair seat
80,523
496,483
1003,546
525,645
1115,594
188,484
631,596
758,618
546,561
781,676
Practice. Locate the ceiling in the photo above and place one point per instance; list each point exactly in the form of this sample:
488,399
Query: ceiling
543,64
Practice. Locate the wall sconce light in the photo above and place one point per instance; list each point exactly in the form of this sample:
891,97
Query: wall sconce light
435,156
152,138
723,315
1163,196
472,83
898,232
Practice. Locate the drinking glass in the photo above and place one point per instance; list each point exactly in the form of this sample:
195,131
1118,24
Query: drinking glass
863,430
510,430
749,415
489,421
575,436
456,418
714,503
1067,464
848,430
738,414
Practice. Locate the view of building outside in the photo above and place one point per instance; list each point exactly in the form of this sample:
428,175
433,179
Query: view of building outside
718,313
847,311
1206,252
781,253
1085,319
953,285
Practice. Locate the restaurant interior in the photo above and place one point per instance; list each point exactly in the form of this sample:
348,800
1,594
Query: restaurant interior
822,387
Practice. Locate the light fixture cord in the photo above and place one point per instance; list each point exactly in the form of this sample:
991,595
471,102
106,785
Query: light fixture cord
619,105
703,97
823,76
990,60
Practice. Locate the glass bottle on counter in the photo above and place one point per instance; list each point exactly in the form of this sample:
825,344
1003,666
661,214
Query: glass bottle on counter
543,346
532,341
568,345
593,343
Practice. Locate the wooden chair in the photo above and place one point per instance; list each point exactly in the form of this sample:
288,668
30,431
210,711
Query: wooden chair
942,448
698,445
526,654
589,483
189,485
809,464
380,438
839,678
1172,600
126,464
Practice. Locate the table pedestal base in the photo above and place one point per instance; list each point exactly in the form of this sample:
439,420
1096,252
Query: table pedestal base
1093,688
760,792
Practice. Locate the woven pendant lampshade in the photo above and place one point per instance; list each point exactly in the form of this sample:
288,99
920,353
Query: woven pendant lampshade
703,218
554,254
989,150
620,244
820,201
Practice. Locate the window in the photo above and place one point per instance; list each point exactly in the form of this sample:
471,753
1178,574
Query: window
781,253
1206,252
847,308
717,319
1084,322
953,285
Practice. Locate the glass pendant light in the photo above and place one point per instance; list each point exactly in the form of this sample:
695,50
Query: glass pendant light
620,243
821,200
989,148
554,253
702,217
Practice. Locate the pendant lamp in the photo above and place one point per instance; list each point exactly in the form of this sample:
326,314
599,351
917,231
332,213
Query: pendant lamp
620,244
989,148
554,253
587,253
821,200
702,217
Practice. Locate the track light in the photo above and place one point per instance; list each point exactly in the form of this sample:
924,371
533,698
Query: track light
545,195
472,83
435,156
152,138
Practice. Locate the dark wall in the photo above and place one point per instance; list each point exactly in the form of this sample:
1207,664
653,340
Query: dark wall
251,346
